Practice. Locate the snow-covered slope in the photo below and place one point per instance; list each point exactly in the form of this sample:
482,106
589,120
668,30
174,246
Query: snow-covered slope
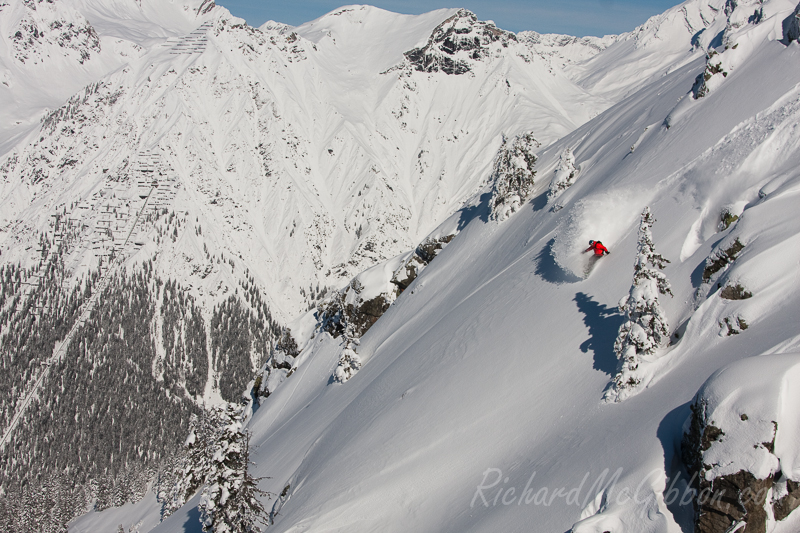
478,407
298,154
661,45
224,177
283,162
49,50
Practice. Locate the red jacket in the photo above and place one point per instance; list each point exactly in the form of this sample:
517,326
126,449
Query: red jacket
598,248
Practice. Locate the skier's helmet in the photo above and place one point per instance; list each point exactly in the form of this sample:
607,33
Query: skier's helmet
591,242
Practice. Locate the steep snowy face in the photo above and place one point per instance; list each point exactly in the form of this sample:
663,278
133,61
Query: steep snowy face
227,176
295,152
659,46
44,27
144,22
365,39
50,49
743,24
450,413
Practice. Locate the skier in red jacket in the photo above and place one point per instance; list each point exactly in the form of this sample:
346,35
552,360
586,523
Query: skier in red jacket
599,249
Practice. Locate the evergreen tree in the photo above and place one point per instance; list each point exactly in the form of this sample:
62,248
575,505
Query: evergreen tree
230,502
565,175
191,468
513,175
646,327
349,362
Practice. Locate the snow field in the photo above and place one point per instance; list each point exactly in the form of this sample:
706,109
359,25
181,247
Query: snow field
485,378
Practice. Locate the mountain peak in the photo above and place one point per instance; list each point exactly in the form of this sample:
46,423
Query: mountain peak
456,43
369,39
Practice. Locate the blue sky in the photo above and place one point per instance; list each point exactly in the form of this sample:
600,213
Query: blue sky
574,17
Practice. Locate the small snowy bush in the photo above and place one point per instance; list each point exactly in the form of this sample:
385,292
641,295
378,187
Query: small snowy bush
513,176
349,364
646,327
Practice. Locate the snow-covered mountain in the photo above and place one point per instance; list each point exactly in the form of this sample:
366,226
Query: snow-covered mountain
229,177
426,184
305,157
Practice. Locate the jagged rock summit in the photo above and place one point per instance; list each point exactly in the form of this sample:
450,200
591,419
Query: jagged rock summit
456,42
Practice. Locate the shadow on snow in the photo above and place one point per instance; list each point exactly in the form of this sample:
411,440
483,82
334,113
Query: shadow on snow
192,524
548,269
480,210
677,494
603,323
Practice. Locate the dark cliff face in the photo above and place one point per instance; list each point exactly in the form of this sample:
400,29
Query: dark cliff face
725,502
791,26
455,43
206,7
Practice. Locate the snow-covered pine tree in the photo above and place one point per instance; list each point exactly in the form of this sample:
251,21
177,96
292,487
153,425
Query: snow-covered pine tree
513,175
646,327
349,361
230,502
191,467
245,511
564,177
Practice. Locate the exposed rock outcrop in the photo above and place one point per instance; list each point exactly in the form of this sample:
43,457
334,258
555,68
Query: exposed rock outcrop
348,313
206,7
455,43
740,446
422,256
788,498
721,259
725,500
732,325
278,367
354,309
735,292
351,312
53,26
727,57
713,67
726,218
